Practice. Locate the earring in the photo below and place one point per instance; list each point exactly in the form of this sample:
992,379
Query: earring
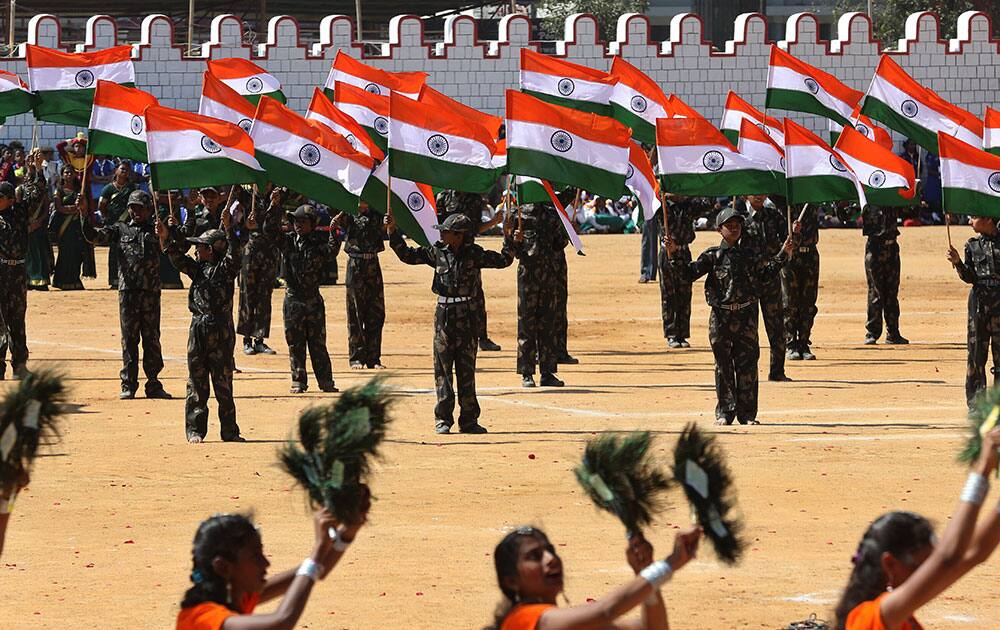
888,588
229,592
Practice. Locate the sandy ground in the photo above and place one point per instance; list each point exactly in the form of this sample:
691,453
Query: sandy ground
102,537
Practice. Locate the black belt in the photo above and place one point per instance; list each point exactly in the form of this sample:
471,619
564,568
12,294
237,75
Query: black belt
363,256
11,263
736,307
987,282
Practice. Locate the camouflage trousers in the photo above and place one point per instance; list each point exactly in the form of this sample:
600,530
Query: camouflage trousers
139,316
882,273
113,267
305,327
561,273
733,337
536,338
675,296
211,341
256,289
455,347
984,336
13,309
772,310
365,310
800,289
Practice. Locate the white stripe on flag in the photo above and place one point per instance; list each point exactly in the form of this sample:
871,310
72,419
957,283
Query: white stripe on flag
48,78
691,160
187,144
120,123
353,141
289,147
242,85
623,94
458,149
784,78
364,116
865,172
925,117
215,109
538,137
991,138
763,152
958,174
566,87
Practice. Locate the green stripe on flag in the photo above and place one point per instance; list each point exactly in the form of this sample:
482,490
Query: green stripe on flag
106,143
198,173
277,95
994,150
888,197
435,172
641,129
972,202
820,188
309,183
557,169
374,196
877,110
795,101
13,102
583,106
69,107
381,141
532,191
732,135
726,184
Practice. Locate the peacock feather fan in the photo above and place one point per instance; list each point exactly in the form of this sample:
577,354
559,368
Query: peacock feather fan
29,417
700,467
337,443
619,476
983,418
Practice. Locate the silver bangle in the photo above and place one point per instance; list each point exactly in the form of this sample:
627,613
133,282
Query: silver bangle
976,487
310,569
339,544
657,573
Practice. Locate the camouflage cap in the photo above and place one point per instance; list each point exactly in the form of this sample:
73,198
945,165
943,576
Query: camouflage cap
305,211
727,214
139,198
209,237
456,223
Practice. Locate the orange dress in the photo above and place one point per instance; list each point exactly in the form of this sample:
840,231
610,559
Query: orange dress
868,616
211,616
525,616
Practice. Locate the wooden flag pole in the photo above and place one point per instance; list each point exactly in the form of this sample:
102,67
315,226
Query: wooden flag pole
388,195
170,205
666,231
947,227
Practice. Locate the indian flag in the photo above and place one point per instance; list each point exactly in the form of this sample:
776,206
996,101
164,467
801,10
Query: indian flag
759,146
530,190
190,151
308,157
696,159
641,181
737,110
412,204
796,86
970,178
567,146
246,79
347,69
991,131
439,147
14,95
220,101
680,109
64,83
567,84
500,157
814,172
430,96
368,109
637,101
888,179
323,111
915,111
534,190
117,125
863,125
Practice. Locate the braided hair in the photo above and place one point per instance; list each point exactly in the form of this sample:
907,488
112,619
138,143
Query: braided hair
505,557
898,533
221,535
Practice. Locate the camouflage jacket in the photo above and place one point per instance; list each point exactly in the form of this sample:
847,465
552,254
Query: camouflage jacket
364,234
680,221
211,289
305,261
879,222
734,272
14,232
138,252
981,267
455,273
766,229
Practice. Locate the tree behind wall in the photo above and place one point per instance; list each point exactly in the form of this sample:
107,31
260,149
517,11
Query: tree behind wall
555,13
889,16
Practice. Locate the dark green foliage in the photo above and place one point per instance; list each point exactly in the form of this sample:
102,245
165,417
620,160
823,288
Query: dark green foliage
986,404
889,16
619,476
700,467
29,414
337,443
606,12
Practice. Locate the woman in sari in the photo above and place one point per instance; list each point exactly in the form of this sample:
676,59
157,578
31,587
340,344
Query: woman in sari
35,195
65,231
